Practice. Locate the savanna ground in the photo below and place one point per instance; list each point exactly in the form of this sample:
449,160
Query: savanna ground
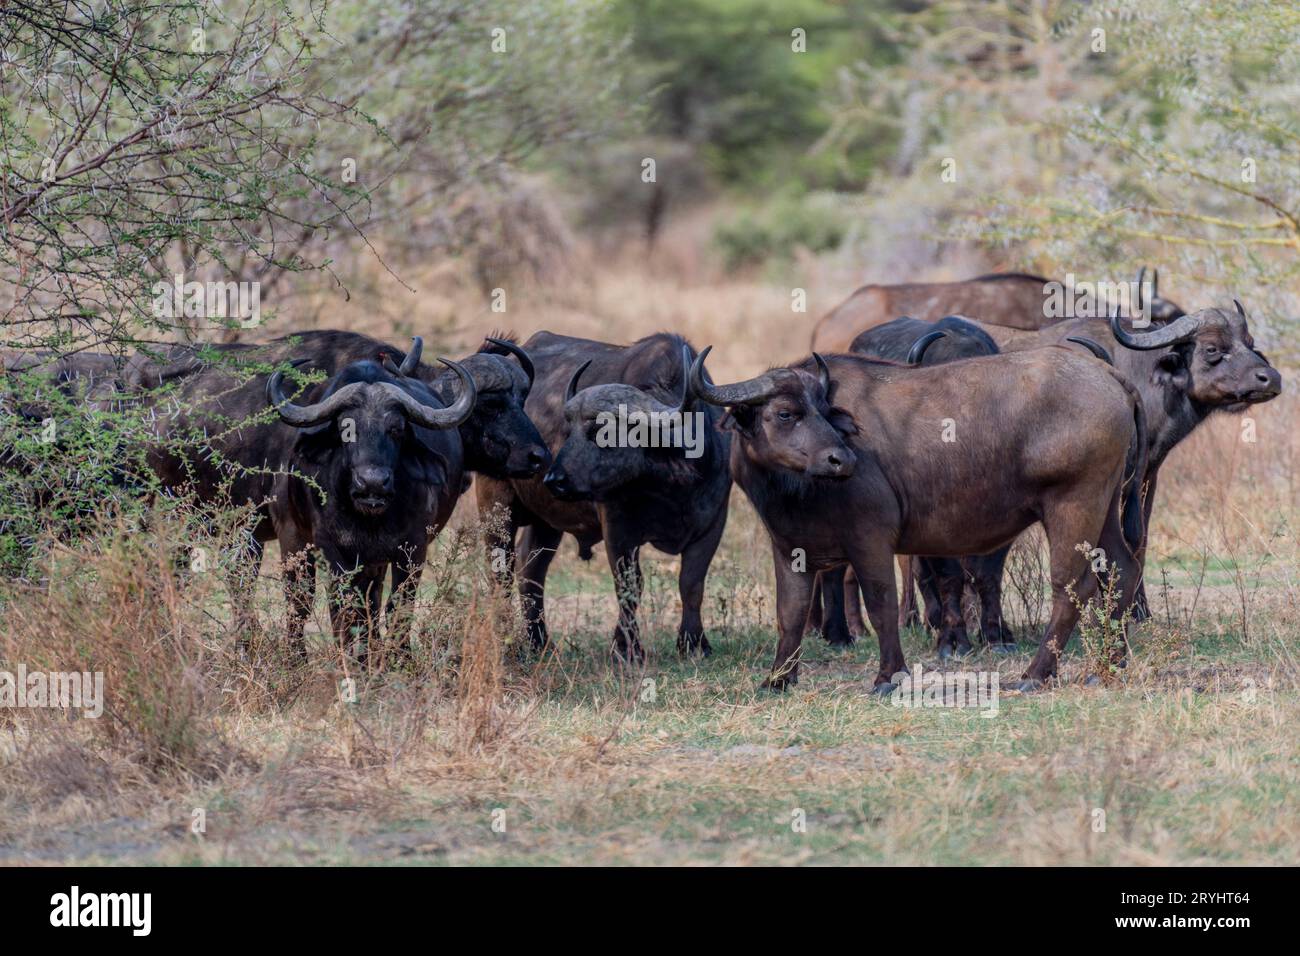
478,752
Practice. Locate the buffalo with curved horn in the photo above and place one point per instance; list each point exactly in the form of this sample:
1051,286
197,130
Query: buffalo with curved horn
369,474
398,474
636,462
854,482
1185,370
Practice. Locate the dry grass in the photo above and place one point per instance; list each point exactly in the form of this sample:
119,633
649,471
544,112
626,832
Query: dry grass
477,752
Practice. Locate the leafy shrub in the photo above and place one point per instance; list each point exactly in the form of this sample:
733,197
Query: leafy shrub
815,223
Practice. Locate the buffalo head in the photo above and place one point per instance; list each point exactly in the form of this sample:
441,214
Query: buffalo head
785,419
365,428
1212,358
500,440
618,434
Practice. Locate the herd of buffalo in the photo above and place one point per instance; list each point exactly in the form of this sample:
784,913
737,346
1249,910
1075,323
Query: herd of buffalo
863,453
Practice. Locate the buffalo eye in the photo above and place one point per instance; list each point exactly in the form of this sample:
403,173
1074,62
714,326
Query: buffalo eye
1212,355
784,415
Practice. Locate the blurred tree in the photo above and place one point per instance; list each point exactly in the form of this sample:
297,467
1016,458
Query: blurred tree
732,78
1094,137
240,143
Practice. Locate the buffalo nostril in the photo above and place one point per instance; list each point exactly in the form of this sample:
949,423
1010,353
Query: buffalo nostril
1264,378
834,459
373,481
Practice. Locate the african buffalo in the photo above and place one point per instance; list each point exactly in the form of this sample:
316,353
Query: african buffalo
940,580
851,460
215,441
605,485
364,479
1185,371
1015,300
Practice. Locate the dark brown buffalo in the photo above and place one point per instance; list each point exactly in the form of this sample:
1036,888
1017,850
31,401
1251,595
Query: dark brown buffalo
869,476
627,496
1012,299
380,445
1185,371
940,580
370,473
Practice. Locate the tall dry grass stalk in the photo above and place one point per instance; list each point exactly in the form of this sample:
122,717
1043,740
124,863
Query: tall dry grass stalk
482,716
119,605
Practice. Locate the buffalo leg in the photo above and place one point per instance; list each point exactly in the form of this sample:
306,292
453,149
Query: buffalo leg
1124,563
500,531
625,563
1141,606
949,581
299,573
794,595
875,573
816,616
833,590
908,615
539,545
986,573
241,580
1067,525
355,601
927,583
400,612
298,570
690,585
853,621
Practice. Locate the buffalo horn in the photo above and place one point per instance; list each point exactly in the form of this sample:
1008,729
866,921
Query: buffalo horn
525,362
823,375
304,416
1092,347
1179,330
917,352
752,391
572,388
430,417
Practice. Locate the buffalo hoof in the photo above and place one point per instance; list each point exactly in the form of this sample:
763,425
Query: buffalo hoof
538,638
884,690
995,634
1027,685
1001,647
1092,680
954,644
688,646
628,655
779,683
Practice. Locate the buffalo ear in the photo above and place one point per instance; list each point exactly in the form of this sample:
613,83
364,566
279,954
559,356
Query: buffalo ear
1171,370
841,420
422,459
318,443
739,418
